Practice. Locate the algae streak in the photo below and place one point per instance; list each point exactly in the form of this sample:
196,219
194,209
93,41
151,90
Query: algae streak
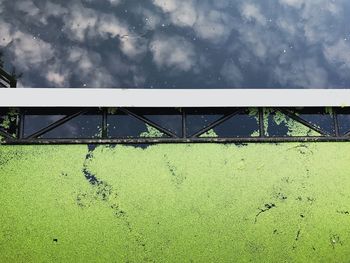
175,203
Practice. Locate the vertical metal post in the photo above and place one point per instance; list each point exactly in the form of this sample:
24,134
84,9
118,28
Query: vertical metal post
20,123
104,124
336,122
261,122
184,123
13,83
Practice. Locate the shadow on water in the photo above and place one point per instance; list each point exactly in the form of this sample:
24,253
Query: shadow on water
88,175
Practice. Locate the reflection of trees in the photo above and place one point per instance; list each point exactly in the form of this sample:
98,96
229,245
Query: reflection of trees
8,80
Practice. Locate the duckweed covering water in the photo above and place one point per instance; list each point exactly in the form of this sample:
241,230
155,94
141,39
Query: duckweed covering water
294,128
175,203
151,133
7,121
209,134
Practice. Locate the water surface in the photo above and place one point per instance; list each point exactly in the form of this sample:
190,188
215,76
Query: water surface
177,44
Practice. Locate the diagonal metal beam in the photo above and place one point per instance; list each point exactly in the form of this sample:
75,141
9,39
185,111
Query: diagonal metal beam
149,122
6,134
5,74
56,124
216,123
8,78
302,121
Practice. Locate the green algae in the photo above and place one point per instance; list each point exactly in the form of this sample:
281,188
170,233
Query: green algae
175,203
254,112
7,120
151,133
209,134
294,128
255,134
112,111
329,110
251,112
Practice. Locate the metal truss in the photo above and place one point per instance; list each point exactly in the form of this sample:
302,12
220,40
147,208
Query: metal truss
181,125
7,80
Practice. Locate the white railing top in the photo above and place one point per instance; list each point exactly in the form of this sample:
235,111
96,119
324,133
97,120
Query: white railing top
27,97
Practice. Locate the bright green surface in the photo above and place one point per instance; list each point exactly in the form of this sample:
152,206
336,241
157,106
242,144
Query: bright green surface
176,203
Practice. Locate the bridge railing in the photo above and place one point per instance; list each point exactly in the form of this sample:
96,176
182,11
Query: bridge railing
7,80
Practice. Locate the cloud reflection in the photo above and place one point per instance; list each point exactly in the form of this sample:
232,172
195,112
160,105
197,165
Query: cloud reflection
177,43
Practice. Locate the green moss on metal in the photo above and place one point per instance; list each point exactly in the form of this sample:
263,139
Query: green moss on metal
175,203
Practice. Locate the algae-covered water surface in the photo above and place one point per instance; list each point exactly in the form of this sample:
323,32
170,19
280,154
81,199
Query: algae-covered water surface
285,202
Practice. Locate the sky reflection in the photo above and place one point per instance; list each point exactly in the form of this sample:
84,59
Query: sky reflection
177,43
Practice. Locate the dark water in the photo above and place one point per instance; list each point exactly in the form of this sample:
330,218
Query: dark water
177,43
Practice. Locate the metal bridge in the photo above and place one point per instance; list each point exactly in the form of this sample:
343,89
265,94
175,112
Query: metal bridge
76,116
173,125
